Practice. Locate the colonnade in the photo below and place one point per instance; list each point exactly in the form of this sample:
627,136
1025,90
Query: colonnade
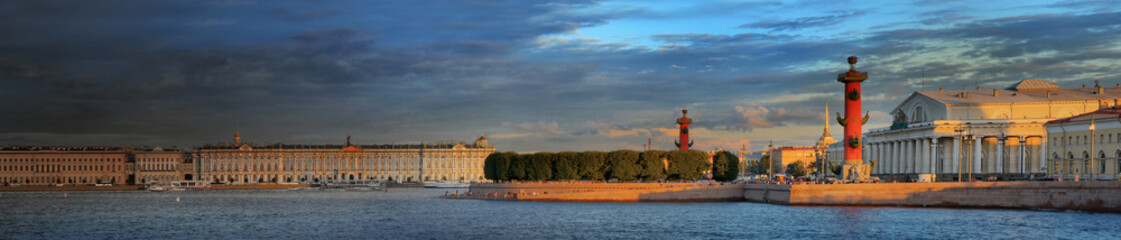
964,154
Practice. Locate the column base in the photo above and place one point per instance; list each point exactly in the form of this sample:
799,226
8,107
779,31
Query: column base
856,173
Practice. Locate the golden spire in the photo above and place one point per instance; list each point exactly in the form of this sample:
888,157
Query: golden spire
826,117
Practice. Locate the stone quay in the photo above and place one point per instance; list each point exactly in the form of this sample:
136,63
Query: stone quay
1092,196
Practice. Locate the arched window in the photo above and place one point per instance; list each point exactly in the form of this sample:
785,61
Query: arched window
1102,162
919,115
1070,163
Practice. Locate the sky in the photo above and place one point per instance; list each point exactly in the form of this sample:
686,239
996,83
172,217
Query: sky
532,76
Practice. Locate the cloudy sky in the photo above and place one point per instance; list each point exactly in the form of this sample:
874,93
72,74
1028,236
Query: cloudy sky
533,76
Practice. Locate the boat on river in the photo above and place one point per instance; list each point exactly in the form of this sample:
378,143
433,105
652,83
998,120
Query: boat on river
442,184
354,185
178,186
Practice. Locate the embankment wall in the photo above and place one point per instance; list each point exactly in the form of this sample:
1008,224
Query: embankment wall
1084,196
613,192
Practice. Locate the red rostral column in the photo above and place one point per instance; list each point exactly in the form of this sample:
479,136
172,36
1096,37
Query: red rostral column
684,125
852,122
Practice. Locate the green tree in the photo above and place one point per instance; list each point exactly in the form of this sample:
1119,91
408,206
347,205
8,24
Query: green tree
489,166
796,169
622,165
541,166
565,166
687,164
502,166
725,166
518,166
653,168
761,166
591,165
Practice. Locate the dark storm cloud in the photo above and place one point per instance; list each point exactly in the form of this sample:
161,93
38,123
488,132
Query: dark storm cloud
327,80
153,73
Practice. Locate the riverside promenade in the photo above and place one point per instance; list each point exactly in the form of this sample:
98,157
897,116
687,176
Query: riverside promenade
1094,196
603,192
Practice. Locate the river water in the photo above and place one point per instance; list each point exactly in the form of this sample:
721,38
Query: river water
419,214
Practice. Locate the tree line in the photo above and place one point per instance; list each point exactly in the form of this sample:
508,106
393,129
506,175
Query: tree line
623,165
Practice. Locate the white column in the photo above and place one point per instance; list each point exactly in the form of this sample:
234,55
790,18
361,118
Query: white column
1020,158
912,155
977,154
908,152
1000,155
955,155
933,155
902,161
896,153
885,161
905,155
889,156
880,158
875,155
1043,155
916,161
924,156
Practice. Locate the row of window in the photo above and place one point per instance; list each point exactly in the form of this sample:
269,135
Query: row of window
327,166
1085,139
157,167
1085,165
52,168
60,160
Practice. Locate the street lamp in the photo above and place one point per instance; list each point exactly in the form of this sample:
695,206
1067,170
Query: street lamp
1092,153
971,150
822,150
959,131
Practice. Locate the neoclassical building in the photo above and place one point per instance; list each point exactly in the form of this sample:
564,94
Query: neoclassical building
785,155
249,164
1078,150
63,165
161,166
983,133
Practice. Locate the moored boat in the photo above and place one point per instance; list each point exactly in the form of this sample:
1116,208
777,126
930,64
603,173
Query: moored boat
447,185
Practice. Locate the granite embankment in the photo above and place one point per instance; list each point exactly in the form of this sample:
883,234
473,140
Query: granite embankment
1083,196
607,192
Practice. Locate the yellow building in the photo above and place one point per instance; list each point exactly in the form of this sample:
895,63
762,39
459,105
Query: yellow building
782,156
250,164
63,165
1086,146
160,166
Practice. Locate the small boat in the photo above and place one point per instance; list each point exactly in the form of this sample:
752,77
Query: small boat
178,186
353,185
447,185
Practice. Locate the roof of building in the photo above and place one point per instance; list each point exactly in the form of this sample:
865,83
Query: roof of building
784,148
1104,114
439,145
1033,85
1028,90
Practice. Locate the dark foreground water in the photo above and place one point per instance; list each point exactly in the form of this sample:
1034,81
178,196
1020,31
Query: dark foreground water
418,214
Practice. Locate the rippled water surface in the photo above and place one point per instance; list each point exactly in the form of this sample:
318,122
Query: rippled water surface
417,213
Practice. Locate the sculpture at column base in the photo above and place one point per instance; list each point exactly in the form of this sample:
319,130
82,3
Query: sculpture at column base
857,173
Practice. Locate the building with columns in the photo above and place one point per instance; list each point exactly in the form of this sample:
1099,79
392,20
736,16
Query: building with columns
1086,146
240,163
160,166
979,134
